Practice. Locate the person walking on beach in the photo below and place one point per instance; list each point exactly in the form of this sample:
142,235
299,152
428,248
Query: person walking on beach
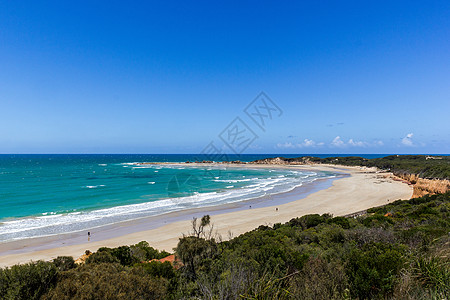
89,236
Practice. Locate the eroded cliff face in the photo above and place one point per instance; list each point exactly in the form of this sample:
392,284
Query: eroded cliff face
424,186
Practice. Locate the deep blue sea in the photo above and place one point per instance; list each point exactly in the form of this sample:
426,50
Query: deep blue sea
43,195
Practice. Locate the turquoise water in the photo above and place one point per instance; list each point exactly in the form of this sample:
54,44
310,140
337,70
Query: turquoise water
49,194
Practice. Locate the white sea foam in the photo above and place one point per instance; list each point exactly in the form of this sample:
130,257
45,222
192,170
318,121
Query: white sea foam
94,186
233,180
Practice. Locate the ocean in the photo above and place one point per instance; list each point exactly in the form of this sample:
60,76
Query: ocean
42,195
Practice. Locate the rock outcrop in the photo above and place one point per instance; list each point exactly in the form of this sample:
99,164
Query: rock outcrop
271,161
82,258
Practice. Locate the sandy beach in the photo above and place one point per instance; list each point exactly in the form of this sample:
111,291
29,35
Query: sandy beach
364,188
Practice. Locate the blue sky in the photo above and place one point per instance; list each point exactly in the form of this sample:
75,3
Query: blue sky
142,77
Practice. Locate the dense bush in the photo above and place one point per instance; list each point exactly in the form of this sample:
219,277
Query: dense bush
320,279
28,281
158,269
341,221
372,269
127,255
107,281
64,263
101,257
196,254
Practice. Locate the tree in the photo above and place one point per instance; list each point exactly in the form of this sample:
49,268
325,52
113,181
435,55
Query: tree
197,250
199,229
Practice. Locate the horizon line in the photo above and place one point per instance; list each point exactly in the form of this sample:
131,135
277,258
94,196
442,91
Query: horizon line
304,154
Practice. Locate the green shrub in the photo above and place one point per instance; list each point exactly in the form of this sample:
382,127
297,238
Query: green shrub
195,253
341,221
320,280
377,220
107,281
433,272
372,269
64,263
129,255
99,257
309,221
27,281
142,251
158,269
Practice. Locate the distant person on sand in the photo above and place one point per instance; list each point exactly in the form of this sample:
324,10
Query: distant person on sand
89,236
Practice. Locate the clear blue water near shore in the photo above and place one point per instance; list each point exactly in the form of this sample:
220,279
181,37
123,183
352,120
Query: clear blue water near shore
42,195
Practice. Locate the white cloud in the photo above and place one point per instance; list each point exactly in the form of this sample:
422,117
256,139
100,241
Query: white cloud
287,145
353,143
307,143
407,140
337,142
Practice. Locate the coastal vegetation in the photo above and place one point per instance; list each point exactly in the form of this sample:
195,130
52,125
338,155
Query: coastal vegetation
428,174
423,166
398,251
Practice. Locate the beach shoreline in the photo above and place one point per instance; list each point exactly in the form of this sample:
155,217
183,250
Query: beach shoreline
362,188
